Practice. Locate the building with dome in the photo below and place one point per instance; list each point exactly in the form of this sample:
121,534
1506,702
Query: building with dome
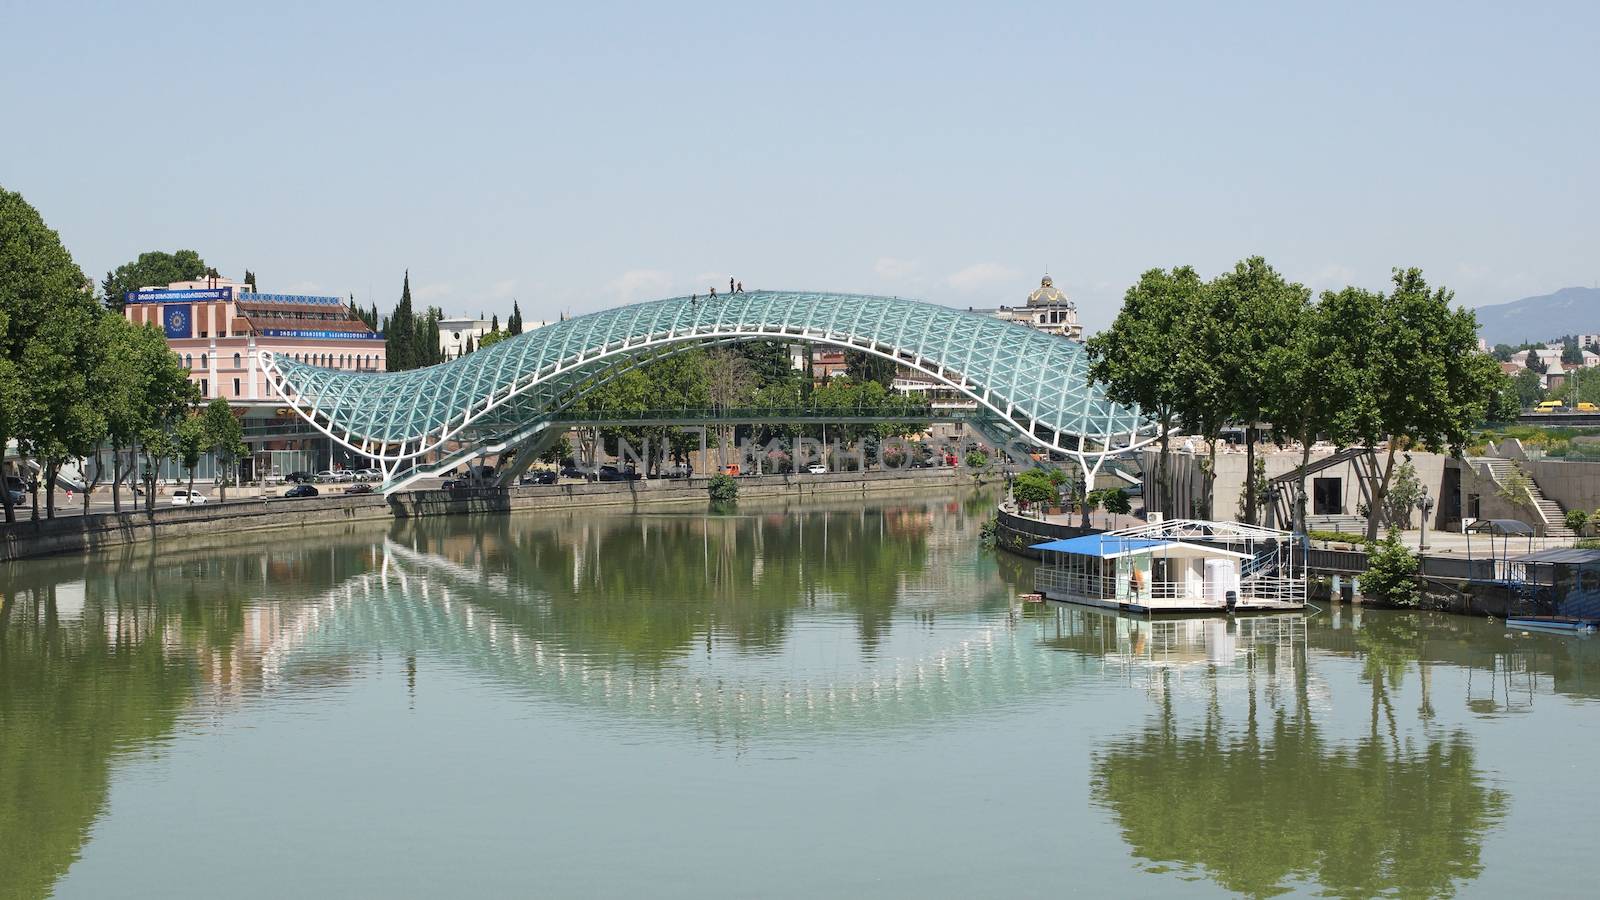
1048,309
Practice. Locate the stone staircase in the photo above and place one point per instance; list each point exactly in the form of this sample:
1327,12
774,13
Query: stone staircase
1555,518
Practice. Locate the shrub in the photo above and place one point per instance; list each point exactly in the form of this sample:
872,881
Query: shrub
1338,536
1576,520
723,488
1391,574
1033,486
977,459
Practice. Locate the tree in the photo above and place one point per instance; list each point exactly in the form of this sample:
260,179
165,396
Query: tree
1505,400
399,334
1262,310
730,384
1091,501
1576,520
514,324
1317,387
1530,388
1207,399
60,419
250,279
1391,574
1034,488
155,268
224,437
189,443
492,338
1136,359
44,299
864,366
1425,382
722,488
1117,502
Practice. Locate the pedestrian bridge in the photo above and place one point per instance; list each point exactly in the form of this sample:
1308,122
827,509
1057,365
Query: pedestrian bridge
1031,385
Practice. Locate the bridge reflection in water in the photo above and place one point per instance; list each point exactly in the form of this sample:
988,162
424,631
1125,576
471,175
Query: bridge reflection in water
1335,749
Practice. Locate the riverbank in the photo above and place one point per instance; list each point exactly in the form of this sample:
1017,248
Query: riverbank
95,532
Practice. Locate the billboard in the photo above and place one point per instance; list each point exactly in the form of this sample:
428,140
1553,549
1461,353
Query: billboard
321,335
177,320
162,295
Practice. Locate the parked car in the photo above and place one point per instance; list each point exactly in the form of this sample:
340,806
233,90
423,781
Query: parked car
300,478
816,469
612,473
573,472
360,487
18,498
301,490
451,484
369,475
183,497
549,477
483,473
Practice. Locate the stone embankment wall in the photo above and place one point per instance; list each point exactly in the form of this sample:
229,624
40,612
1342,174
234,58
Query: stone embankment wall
1017,534
78,534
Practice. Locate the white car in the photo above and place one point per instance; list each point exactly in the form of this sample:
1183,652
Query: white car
369,475
183,497
816,469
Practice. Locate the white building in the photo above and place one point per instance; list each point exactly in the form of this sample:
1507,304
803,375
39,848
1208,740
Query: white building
1048,309
455,332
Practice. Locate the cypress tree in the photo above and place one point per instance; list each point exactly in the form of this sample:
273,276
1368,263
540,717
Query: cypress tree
494,322
399,338
515,325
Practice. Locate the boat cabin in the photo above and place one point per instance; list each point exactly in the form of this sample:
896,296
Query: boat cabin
1180,566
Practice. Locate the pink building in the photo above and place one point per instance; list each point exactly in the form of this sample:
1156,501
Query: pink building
219,327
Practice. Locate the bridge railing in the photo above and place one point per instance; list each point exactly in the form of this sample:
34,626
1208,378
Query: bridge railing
889,412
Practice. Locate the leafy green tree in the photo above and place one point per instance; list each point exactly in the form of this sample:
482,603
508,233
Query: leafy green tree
492,338
1137,357
1505,401
155,268
1263,312
1577,520
1392,573
1530,388
46,340
1426,383
250,279
1033,487
864,366
1206,403
224,437
189,443
1117,502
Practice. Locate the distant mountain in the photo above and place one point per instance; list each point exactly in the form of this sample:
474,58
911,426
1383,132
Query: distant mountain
1573,310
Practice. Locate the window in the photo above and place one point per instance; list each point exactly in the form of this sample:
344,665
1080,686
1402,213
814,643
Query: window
202,361
188,361
236,360
205,388
236,391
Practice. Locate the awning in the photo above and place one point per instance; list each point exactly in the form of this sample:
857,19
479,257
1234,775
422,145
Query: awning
1565,556
1111,546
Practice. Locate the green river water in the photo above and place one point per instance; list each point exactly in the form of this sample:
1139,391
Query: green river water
837,698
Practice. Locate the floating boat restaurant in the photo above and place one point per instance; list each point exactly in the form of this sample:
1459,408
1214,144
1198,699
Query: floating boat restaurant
1177,566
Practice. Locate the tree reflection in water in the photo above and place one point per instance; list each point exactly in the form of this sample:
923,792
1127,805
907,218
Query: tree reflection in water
1256,795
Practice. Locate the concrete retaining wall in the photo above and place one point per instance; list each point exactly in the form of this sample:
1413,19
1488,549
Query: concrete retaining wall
78,534
1017,534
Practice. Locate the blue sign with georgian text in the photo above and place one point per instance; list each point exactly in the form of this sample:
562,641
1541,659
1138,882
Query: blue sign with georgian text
177,320
321,335
162,295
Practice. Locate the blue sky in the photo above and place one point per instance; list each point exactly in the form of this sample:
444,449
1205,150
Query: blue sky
578,155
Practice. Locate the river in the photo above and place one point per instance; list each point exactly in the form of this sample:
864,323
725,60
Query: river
827,698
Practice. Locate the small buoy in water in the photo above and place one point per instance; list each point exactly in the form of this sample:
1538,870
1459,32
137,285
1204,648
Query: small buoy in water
1034,597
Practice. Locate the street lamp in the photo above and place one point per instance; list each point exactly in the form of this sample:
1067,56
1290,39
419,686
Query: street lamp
1424,503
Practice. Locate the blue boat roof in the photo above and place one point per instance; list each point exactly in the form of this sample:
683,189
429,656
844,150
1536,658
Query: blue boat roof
1101,545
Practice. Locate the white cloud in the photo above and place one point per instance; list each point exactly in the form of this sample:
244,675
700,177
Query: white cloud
503,289
640,284
893,269
981,276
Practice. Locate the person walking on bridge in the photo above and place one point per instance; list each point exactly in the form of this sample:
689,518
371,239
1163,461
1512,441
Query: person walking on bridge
730,284
740,288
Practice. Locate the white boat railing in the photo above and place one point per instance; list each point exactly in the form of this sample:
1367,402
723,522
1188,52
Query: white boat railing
1263,589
